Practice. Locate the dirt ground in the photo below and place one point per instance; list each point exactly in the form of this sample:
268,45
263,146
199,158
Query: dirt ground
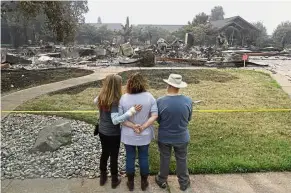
154,79
14,80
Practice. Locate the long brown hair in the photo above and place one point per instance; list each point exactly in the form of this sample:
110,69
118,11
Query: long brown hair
110,92
136,83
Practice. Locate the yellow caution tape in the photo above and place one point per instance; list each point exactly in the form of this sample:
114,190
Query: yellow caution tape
49,111
241,110
199,111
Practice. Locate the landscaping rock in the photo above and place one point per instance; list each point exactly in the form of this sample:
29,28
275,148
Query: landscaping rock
19,133
53,137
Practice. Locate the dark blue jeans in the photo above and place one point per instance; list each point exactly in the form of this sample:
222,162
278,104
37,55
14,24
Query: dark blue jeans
143,158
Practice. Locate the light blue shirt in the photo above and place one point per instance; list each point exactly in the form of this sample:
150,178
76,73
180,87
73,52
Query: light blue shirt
149,107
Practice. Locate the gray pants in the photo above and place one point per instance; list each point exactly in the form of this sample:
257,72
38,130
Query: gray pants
181,162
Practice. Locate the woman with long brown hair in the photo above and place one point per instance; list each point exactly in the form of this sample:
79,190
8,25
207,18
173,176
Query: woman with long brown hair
109,128
140,137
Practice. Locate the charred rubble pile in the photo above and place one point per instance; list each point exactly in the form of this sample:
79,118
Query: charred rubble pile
186,52
162,53
218,55
54,56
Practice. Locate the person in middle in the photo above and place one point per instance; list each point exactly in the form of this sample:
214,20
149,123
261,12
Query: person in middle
137,132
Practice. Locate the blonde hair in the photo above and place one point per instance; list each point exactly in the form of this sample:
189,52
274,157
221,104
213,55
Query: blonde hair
110,92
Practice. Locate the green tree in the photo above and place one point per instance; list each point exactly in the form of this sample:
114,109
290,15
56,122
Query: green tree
180,33
99,20
200,28
156,33
261,37
260,26
65,22
103,33
126,30
89,34
61,17
151,33
282,34
199,35
141,34
16,21
217,13
201,18
202,33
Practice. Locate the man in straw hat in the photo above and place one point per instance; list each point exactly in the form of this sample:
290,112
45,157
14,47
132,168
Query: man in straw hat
175,111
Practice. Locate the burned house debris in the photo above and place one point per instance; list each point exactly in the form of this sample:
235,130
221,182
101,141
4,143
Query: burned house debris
161,53
226,47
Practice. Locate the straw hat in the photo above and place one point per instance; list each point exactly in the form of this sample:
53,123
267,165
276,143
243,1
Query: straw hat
175,80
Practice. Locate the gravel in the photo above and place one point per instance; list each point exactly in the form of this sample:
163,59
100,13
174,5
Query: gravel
79,159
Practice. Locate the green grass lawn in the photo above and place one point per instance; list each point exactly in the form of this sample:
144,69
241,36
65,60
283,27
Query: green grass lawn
220,142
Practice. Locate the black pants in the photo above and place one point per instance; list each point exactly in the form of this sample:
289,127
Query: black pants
110,147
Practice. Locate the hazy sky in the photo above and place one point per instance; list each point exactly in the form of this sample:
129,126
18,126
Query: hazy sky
271,13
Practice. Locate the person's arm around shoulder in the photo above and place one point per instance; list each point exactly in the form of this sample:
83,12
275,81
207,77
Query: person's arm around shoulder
118,115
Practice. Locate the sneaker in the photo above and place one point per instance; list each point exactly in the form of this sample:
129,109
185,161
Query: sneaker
162,185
